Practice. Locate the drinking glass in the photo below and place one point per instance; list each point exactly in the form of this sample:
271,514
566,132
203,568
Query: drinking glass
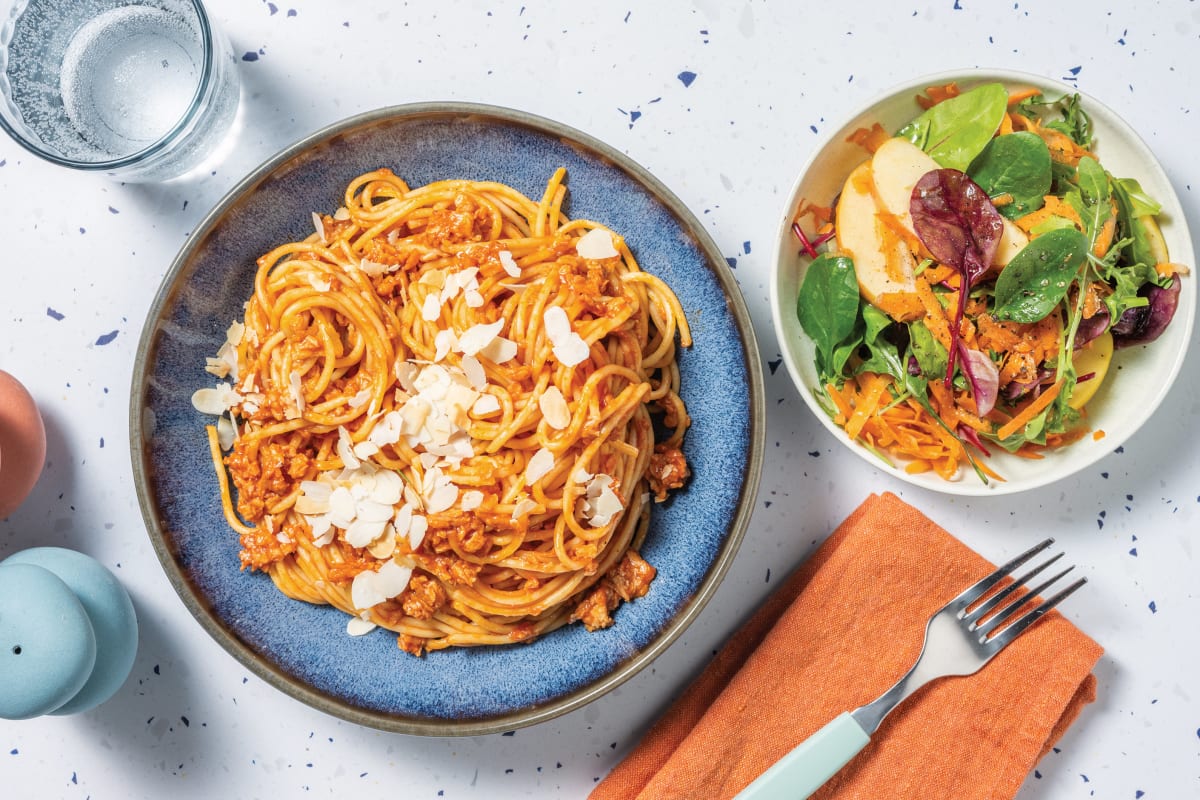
141,90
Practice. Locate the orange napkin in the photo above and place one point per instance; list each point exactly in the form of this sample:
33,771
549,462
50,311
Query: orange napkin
841,630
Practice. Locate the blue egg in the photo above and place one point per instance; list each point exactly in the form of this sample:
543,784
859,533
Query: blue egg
47,645
110,610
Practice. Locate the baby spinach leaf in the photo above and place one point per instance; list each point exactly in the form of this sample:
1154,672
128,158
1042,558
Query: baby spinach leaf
883,357
1140,203
1037,278
954,131
1093,181
1091,200
1017,164
827,307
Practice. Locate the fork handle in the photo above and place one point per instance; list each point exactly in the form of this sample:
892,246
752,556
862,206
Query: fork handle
812,762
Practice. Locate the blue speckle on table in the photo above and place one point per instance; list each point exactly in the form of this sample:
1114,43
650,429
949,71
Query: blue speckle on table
250,55
274,9
14,751
106,338
1138,793
686,77
52,314
1085,778
1153,607
291,12
112,210
74,779
732,262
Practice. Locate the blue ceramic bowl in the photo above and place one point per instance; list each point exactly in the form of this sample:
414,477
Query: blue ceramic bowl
303,649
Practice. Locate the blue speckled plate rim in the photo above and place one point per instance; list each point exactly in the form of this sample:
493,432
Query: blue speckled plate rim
288,684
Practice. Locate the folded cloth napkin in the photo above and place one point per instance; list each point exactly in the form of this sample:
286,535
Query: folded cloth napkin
840,631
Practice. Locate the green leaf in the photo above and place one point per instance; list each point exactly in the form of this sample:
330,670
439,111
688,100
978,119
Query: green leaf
1051,223
929,352
1016,164
883,357
1037,278
827,307
1140,203
954,131
1134,206
1093,181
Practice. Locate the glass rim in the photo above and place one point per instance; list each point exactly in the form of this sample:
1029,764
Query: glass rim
159,145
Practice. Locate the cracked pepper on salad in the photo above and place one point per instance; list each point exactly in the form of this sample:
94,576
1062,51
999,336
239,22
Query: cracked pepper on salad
971,281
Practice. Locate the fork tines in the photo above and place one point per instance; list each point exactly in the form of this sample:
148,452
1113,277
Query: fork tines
985,610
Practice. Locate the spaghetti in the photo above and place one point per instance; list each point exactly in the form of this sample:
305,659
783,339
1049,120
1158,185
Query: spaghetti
438,414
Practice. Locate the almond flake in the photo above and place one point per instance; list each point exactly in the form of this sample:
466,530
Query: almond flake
226,433
443,497
314,498
393,579
416,531
385,545
295,391
235,332
554,408
486,404
471,500
388,489
342,507
322,530
477,337
215,401
364,593
358,626
403,519
364,531
596,244
540,464
509,263
345,449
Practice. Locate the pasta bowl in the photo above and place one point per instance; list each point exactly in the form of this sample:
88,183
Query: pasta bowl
304,649
1139,376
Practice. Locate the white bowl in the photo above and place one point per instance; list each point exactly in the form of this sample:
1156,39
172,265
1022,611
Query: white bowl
1140,375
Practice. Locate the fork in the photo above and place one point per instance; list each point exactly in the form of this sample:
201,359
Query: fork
959,639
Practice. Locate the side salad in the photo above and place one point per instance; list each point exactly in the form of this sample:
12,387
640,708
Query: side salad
971,281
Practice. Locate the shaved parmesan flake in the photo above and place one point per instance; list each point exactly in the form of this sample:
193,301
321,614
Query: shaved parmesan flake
342,214
523,507
471,500
603,503
574,350
215,401
540,464
474,372
375,269
358,626
361,399
443,343
473,297
431,309
319,226
509,263
235,332
554,408
557,326
477,337
581,475
500,350
296,393
319,284
596,244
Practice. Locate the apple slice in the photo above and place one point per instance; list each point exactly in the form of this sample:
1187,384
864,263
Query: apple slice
1092,359
884,264
897,166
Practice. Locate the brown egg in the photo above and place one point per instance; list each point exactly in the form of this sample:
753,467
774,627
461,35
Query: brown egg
22,443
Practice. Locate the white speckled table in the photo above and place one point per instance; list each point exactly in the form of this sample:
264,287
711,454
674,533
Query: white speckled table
723,102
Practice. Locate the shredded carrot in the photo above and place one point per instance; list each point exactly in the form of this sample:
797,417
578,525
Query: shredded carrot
1168,268
1031,410
843,406
868,402
821,215
1006,125
1097,435
1053,207
870,139
1104,238
1017,95
936,94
